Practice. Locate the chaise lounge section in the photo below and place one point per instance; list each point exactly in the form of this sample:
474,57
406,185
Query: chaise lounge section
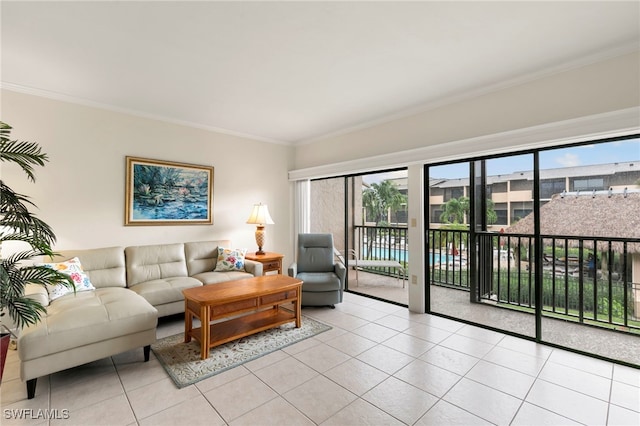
88,325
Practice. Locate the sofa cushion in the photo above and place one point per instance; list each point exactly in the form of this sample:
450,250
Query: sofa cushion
202,256
165,290
104,266
73,269
155,262
319,281
230,259
84,318
216,277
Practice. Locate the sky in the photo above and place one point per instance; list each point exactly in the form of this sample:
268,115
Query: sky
585,155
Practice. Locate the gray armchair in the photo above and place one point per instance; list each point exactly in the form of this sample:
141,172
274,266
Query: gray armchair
323,278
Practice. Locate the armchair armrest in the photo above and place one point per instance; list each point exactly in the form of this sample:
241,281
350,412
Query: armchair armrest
340,271
293,269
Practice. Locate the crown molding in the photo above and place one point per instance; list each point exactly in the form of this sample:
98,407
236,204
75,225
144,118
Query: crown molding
92,104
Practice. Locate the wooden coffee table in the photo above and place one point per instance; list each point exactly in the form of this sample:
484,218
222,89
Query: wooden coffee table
240,308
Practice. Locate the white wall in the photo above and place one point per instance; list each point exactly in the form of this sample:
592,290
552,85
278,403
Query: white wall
80,192
598,88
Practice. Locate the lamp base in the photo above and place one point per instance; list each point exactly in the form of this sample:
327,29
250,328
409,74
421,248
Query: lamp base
260,238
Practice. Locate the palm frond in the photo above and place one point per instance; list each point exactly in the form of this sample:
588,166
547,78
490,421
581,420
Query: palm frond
5,131
14,279
17,223
14,259
15,215
12,201
24,154
25,311
46,276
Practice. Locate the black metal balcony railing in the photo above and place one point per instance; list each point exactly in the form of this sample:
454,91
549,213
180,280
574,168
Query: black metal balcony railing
382,243
584,279
599,292
448,257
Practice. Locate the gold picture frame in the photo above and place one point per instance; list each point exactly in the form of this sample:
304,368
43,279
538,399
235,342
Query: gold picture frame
167,193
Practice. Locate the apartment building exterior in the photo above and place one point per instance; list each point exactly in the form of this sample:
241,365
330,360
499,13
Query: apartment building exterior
512,194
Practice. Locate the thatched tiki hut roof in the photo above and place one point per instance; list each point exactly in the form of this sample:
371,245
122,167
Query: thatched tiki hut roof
601,214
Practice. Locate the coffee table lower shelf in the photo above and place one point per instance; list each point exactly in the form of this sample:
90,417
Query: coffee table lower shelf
226,331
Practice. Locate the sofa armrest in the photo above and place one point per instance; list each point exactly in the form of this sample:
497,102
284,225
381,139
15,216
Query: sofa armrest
38,293
253,267
293,269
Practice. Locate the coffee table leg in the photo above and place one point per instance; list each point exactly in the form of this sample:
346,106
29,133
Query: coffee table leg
298,304
205,332
188,322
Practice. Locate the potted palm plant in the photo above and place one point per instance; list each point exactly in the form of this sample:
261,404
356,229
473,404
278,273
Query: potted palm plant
18,224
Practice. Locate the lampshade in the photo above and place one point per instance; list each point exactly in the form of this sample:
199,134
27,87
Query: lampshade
260,215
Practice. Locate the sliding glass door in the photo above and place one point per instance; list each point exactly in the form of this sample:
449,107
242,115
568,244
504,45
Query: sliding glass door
367,215
590,248
544,244
473,265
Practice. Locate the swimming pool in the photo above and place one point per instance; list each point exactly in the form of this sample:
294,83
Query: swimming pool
383,253
437,258
403,255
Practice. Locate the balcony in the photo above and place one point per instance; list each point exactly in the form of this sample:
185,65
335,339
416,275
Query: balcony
575,293
379,286
584,280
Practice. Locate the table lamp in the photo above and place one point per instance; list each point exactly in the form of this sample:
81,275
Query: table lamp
260,217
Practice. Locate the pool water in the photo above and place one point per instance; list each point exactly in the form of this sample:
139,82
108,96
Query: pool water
403,255
379,253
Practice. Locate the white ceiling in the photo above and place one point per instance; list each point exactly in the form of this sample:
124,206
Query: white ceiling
292,72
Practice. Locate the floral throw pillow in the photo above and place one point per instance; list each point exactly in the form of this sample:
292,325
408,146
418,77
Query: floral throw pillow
73,268
230,259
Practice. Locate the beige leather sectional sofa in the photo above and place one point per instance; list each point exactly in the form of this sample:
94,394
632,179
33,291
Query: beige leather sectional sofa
133,287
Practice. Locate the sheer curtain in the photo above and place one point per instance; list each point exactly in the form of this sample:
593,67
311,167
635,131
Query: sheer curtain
302,210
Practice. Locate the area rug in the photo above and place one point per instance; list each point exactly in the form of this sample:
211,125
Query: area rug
182,360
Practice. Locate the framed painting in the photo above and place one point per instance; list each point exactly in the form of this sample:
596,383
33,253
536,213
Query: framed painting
168,193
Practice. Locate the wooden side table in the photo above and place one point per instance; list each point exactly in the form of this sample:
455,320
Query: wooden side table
270,261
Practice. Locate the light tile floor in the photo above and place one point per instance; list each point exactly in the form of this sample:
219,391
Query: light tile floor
605,343
379,365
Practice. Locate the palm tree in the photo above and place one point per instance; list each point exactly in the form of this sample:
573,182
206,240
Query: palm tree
492,216
454,213
381,197
455,210
18,224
